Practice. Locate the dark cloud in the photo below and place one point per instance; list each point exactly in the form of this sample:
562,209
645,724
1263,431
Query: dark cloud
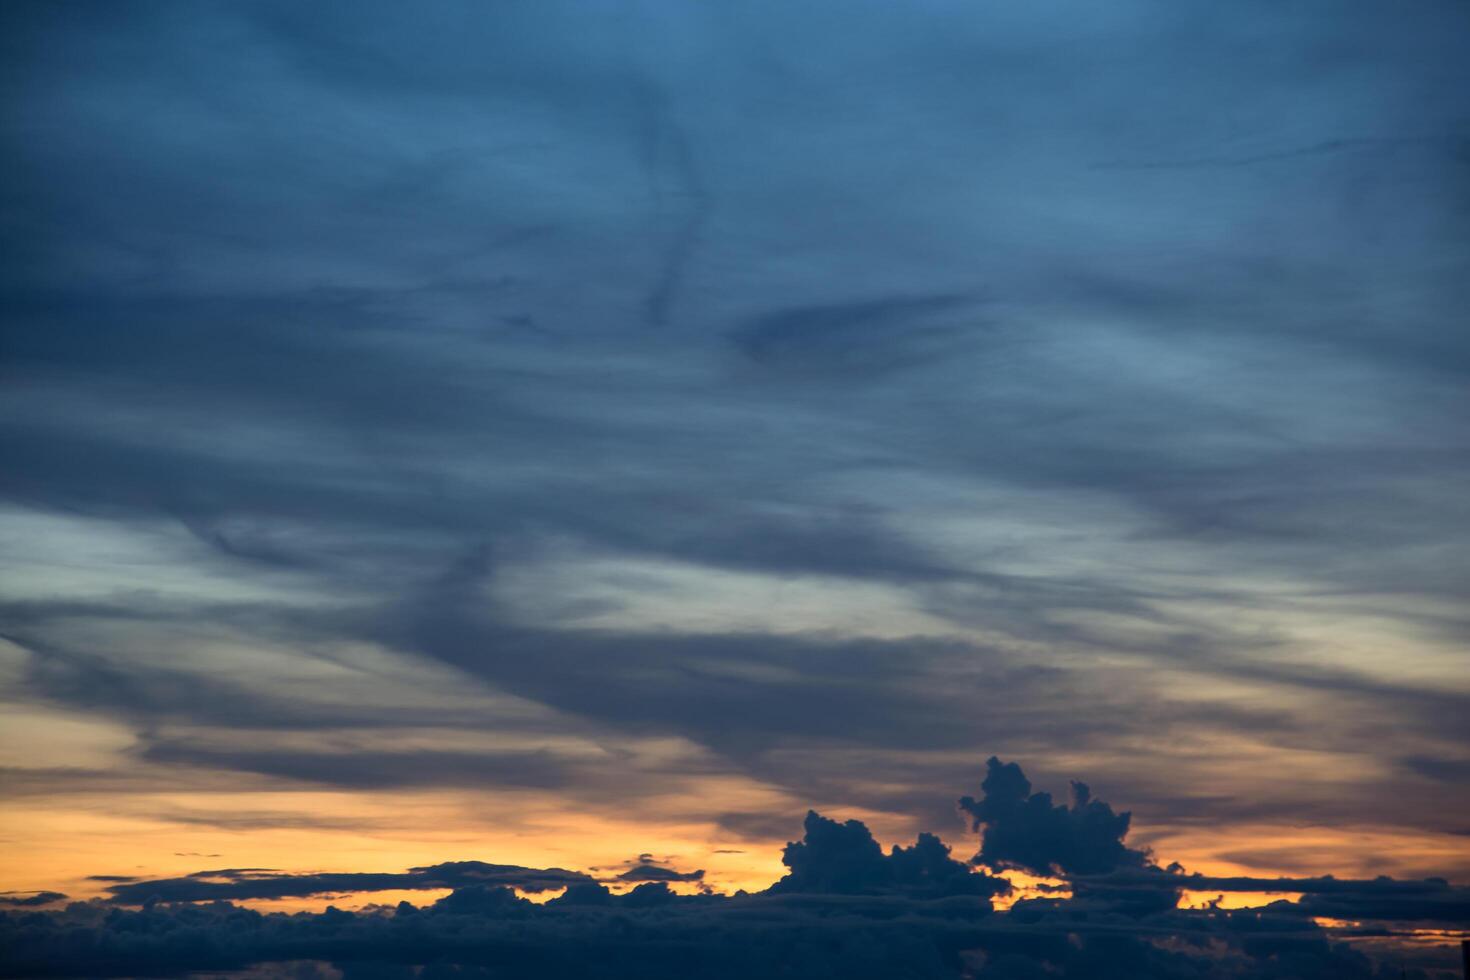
24,900
357,768
836,858
864,338
494,930
653,933
1384,899
1444,770
646,867
758,825
252,883
482,900
843,859
1026,830
744,695
845,908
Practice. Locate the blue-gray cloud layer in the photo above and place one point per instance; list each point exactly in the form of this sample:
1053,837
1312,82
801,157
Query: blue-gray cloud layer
1108,343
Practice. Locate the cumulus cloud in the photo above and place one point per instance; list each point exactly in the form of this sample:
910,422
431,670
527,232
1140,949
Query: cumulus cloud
835,858
845,908
1026,830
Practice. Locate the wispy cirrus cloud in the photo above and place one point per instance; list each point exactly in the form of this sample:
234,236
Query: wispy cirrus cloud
601,403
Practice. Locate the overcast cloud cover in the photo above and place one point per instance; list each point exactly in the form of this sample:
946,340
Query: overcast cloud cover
693,413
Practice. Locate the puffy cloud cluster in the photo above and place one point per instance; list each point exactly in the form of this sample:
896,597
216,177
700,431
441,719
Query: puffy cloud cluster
1026,830
843,859
845,908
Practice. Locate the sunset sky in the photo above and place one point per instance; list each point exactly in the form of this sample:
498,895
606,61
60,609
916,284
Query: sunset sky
550,434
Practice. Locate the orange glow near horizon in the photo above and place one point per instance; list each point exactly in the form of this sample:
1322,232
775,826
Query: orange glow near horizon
1204,899
1025,886
58,844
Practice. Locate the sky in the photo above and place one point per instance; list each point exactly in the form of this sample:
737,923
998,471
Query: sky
588,436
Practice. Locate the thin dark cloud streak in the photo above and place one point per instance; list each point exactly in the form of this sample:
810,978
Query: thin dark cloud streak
746,697
1327,146
247,883
670,159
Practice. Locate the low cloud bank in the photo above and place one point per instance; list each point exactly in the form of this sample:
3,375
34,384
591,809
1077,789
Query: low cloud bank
845,908
233,884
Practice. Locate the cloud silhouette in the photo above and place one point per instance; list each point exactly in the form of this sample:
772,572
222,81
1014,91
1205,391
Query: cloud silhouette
485,931
646,868
30,899
253,883
845,908
1026,830
843,859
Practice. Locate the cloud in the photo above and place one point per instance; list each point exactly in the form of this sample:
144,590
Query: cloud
23,900
1388,900
843,859
361,769
1135,459
1025,830
861,338
229,884
646,867
845,908
653,933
